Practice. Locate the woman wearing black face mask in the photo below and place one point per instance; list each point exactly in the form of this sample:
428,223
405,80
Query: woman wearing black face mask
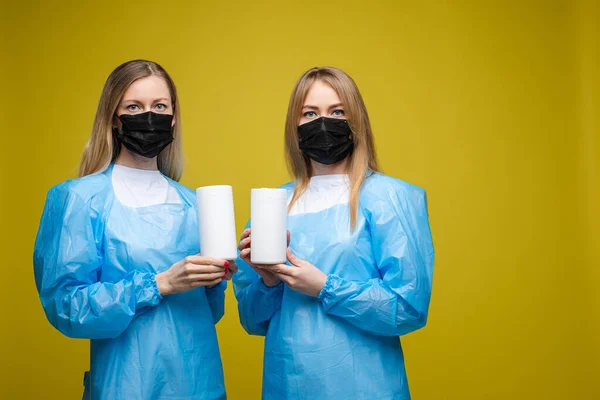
361,258
116,253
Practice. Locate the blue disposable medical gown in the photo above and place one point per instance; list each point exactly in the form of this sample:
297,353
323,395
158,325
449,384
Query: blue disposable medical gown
344,344
95,261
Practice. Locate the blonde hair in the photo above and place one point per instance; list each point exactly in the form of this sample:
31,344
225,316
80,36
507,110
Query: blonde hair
101,150
361,161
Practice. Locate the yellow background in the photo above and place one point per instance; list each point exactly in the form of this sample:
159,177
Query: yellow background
491,106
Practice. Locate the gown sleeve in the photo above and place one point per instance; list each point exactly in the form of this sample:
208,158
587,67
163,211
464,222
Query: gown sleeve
397,302
67,260
216,300
257,302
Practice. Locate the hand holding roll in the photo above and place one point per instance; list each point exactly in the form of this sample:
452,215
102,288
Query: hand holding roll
193,272
302,276
245,254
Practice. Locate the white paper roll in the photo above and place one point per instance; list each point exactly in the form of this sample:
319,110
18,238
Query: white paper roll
216,219
269,226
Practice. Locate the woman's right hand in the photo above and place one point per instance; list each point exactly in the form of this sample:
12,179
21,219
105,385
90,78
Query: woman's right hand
190,273
268,277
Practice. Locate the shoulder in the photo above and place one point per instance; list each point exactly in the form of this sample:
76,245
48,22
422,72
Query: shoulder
380,189
82,189
89,196
383,185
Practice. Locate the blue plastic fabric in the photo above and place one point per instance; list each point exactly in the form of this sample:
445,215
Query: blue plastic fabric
344,344
95,262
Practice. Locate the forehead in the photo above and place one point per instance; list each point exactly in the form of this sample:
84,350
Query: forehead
150,87
320,93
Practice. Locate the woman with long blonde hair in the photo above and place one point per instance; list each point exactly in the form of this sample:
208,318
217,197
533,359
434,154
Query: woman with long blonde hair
360,258
115,258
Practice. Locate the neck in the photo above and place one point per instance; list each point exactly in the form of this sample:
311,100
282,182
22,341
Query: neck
322,169
128,159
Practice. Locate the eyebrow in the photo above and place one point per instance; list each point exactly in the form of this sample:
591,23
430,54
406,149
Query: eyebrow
330,107
154,101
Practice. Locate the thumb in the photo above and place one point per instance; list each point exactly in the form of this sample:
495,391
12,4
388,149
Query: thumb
292,258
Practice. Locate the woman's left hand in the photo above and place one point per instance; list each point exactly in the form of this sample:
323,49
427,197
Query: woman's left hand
303,277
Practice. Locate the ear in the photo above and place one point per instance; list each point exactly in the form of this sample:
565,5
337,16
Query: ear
116,122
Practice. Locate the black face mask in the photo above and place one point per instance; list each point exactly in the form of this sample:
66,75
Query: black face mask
326,140
146,134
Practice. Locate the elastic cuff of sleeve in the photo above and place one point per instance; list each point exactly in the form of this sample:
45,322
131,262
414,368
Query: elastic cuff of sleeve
146,290
268,289
327,293
154,288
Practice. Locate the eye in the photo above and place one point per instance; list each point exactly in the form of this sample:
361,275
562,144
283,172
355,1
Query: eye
338,113
161,107
310,114
132,108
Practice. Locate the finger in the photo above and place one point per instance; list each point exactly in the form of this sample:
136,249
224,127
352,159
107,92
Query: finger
245,234
218,280
266,267
193,269
201,260
280,269
205,277
245,254
244,243
228,275
214,282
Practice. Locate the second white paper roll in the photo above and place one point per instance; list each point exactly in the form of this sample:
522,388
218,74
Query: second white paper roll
269,226
216,219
